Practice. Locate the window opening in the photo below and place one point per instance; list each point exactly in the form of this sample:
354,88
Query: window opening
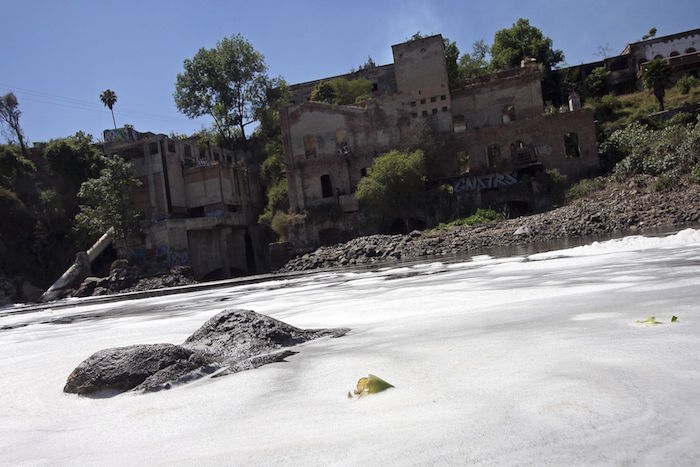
494,156
571,145
508,114
309,146
459,123
326,186
341,142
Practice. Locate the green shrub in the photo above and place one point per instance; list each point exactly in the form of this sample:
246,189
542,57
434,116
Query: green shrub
553,181
681,118
624,141
277,200
663,183
594,84
695,174
279,225
585,187
686,83
640,181
609,104
481,216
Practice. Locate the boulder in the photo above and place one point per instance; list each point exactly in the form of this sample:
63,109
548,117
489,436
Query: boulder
231,341
522,231
88,286
123,368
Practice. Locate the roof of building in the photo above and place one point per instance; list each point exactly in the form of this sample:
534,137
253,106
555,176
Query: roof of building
653,40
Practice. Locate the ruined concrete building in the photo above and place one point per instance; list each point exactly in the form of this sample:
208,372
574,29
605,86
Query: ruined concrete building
497,122
681,50
200,204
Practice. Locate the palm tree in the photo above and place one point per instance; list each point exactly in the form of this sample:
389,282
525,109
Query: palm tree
109,98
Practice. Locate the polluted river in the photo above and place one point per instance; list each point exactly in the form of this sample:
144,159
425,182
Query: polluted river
533,358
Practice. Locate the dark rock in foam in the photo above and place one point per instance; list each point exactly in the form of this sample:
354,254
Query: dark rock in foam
231,341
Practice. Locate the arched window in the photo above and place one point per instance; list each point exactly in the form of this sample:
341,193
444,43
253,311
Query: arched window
656,57
508,114
690,50
674,54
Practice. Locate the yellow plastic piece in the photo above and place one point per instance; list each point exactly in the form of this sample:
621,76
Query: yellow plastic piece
650,321
371,385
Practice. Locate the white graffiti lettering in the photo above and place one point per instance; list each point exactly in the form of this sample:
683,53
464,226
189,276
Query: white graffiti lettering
484,182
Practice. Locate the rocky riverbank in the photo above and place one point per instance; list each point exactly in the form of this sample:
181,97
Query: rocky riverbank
124,277
619,208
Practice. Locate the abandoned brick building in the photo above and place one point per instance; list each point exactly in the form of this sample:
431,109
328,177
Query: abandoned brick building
200,203
498,122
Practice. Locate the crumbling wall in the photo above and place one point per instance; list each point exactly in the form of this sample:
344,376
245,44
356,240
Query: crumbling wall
496,101
334,145
545,139
382,78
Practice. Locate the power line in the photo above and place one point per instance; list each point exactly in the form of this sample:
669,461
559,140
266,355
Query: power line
80,104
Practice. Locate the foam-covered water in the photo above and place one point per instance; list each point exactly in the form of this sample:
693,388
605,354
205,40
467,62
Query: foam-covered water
522,360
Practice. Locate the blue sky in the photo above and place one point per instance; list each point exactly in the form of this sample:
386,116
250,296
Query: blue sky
58,56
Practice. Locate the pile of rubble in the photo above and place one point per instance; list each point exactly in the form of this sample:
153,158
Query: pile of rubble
620,208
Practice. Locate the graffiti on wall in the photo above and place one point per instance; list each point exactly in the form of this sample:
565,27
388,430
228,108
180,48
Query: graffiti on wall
484,182
121,135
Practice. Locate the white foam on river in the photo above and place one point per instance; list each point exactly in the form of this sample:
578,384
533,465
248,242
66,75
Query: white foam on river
532,360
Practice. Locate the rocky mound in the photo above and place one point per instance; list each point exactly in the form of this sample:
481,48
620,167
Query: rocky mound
126,278
620,208
231,341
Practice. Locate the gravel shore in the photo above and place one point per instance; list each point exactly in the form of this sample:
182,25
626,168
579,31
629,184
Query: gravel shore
623,208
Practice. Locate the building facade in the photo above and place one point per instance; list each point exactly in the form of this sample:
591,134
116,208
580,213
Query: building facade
200,204
497,124
680,50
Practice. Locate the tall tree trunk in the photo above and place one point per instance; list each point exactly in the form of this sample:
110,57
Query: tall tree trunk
660,93
22,146
113,120
242,130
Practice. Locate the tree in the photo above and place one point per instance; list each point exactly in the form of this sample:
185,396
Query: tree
395,187
657,75
603,51
107,201
73,160
650,34
594,84
342,91
13,167
475,64
228,83
273,167
511,45
451,55
9,113
323,92
368,65
109,98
